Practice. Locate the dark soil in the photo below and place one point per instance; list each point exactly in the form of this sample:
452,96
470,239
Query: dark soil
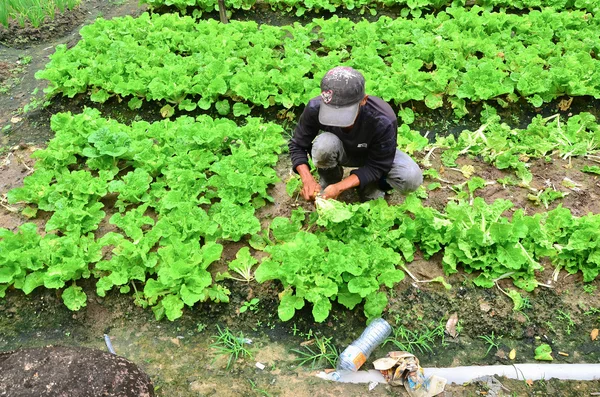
76,371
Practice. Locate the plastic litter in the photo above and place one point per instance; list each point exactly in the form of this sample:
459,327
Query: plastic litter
109,345
355,355
345,376
402,368
492,386
260,366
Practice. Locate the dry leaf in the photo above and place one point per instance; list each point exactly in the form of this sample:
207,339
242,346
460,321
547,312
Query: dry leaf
513,354
565,104
15,119
529,382
594,334
467,170
451,325
563,354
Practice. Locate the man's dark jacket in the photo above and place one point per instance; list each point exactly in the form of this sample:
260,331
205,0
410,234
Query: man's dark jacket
370,144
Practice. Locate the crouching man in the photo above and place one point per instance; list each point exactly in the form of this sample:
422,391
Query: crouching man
356,130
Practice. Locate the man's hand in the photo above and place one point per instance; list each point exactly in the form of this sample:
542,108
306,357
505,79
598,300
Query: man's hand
332,191
310,189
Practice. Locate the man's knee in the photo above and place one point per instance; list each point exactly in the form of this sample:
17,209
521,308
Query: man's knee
325,150
412,178
406,175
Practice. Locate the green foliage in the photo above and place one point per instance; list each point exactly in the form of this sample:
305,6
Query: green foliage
493,341
332,262
242,265
233,347
511,148
412,7
160,174
546,196
537,55
319,270
423,340
36,12
252,305
565,318
321,354
592,169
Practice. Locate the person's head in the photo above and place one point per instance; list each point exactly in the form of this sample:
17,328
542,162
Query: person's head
342,94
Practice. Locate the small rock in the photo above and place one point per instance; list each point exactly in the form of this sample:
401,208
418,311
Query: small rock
485,307
520,317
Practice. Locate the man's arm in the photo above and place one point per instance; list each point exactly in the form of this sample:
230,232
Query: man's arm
299,146
305,132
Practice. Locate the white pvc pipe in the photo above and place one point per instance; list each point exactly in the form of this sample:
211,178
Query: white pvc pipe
518,371
462,375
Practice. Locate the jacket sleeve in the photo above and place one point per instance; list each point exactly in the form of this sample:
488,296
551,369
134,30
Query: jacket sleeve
380,155
306,131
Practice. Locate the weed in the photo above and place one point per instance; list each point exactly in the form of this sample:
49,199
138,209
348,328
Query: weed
295,329
256,389
492,341
410,341
322,353
593,311
201,327
590,288
252,306
566,318
459,327
550,326
227,344
307,335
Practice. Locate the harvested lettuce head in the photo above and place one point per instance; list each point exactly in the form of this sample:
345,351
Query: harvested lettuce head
332,211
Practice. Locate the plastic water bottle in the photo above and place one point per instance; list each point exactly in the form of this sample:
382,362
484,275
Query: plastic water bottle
357,353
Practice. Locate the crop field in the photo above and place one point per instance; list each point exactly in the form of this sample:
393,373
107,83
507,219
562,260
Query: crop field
147,191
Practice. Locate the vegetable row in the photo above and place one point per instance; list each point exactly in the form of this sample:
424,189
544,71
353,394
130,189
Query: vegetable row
509,148
414,7
481,238
455,56
182,188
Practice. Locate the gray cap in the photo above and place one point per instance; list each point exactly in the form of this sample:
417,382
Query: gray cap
342,89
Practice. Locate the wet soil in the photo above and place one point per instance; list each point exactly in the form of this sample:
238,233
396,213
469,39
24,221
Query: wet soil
178,356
